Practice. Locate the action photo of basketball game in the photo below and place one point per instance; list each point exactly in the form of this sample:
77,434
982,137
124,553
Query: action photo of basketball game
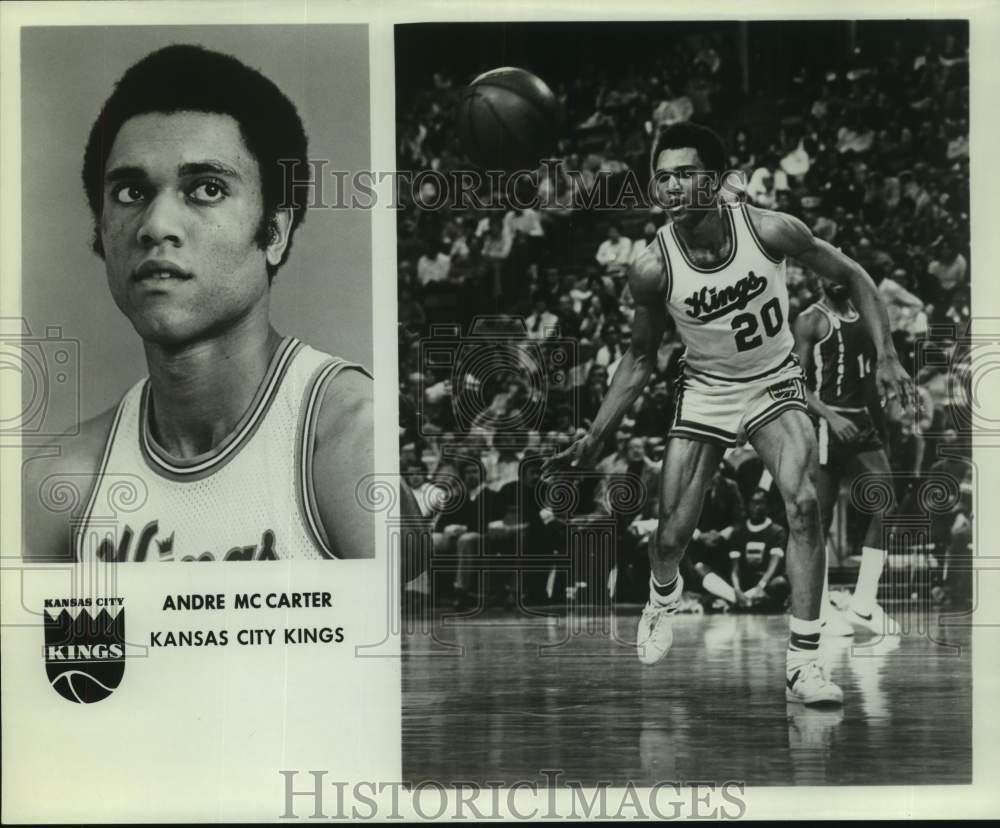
683,363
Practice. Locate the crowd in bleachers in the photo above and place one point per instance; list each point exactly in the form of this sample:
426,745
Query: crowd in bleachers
873,157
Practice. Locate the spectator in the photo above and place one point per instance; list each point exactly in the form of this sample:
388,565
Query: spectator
542,323
569,322
654,409
708,553
612,350
428,495
613,253
433,266
758,555
948,267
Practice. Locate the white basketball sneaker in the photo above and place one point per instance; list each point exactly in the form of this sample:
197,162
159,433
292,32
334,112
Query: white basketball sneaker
874,620
809,684
834,622
655,633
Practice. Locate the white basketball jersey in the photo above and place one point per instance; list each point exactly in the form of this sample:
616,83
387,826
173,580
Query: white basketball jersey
250,498
733,317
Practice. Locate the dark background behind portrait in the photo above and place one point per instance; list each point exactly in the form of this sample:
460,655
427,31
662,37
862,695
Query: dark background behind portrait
323,293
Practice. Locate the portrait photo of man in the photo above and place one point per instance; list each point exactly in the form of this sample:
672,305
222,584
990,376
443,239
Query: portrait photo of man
242,441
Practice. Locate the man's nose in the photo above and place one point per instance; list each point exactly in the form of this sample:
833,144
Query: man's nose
161,221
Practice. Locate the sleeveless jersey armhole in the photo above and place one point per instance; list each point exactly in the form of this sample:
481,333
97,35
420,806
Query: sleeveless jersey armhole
661,236
306,446
756,238
78,536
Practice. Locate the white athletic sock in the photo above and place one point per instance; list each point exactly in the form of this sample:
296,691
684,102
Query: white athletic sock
866,589
719,588
661,595
803,642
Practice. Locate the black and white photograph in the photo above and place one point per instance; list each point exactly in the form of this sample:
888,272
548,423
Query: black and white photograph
683,339
445,411
197,580
205,310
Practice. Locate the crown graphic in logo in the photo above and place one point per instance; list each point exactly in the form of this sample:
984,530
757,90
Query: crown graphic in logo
84,654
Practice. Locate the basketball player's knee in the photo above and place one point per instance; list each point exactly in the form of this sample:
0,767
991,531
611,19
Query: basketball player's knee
802,510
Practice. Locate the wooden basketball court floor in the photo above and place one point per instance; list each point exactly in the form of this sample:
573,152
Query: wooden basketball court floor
504,696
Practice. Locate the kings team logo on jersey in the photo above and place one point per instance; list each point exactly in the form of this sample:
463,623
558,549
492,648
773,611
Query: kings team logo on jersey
84,652
152,544
713,303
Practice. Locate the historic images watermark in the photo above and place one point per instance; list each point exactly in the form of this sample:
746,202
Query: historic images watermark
319,186
311,795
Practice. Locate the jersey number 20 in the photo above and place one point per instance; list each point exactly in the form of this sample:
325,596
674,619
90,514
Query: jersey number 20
746,324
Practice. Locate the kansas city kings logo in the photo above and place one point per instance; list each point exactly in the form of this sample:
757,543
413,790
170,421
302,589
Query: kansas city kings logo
84,653
712,303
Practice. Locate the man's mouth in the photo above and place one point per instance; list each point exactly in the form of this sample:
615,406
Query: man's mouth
160,271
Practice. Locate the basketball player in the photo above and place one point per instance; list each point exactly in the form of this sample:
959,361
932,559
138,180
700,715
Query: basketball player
242,443
718,271
837,355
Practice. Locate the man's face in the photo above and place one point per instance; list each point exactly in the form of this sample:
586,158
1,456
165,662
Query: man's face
470,477
758,508
415,476
182,204
614,234
835,290
683,184
635,450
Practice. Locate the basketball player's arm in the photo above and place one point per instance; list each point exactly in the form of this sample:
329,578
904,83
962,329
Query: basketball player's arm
56,486
637,364
786,235
647,283
808,330
343,456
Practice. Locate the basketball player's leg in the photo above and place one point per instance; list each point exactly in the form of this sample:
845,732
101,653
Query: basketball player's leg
787,446
688,466
864,610
828,477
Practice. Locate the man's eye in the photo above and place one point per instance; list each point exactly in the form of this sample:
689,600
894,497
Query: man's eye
128,194
209,191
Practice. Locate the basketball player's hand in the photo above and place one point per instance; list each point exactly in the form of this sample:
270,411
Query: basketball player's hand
581,454
843,429
894,384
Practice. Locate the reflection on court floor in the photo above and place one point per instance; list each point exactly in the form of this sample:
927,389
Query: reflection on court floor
504,697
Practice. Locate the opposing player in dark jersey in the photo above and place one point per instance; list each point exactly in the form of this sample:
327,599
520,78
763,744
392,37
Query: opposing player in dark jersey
718,272
757,552
837,355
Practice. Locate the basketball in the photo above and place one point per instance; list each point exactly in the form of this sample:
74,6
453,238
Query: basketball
508,119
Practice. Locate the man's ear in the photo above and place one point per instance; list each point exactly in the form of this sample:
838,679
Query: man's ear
279,229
